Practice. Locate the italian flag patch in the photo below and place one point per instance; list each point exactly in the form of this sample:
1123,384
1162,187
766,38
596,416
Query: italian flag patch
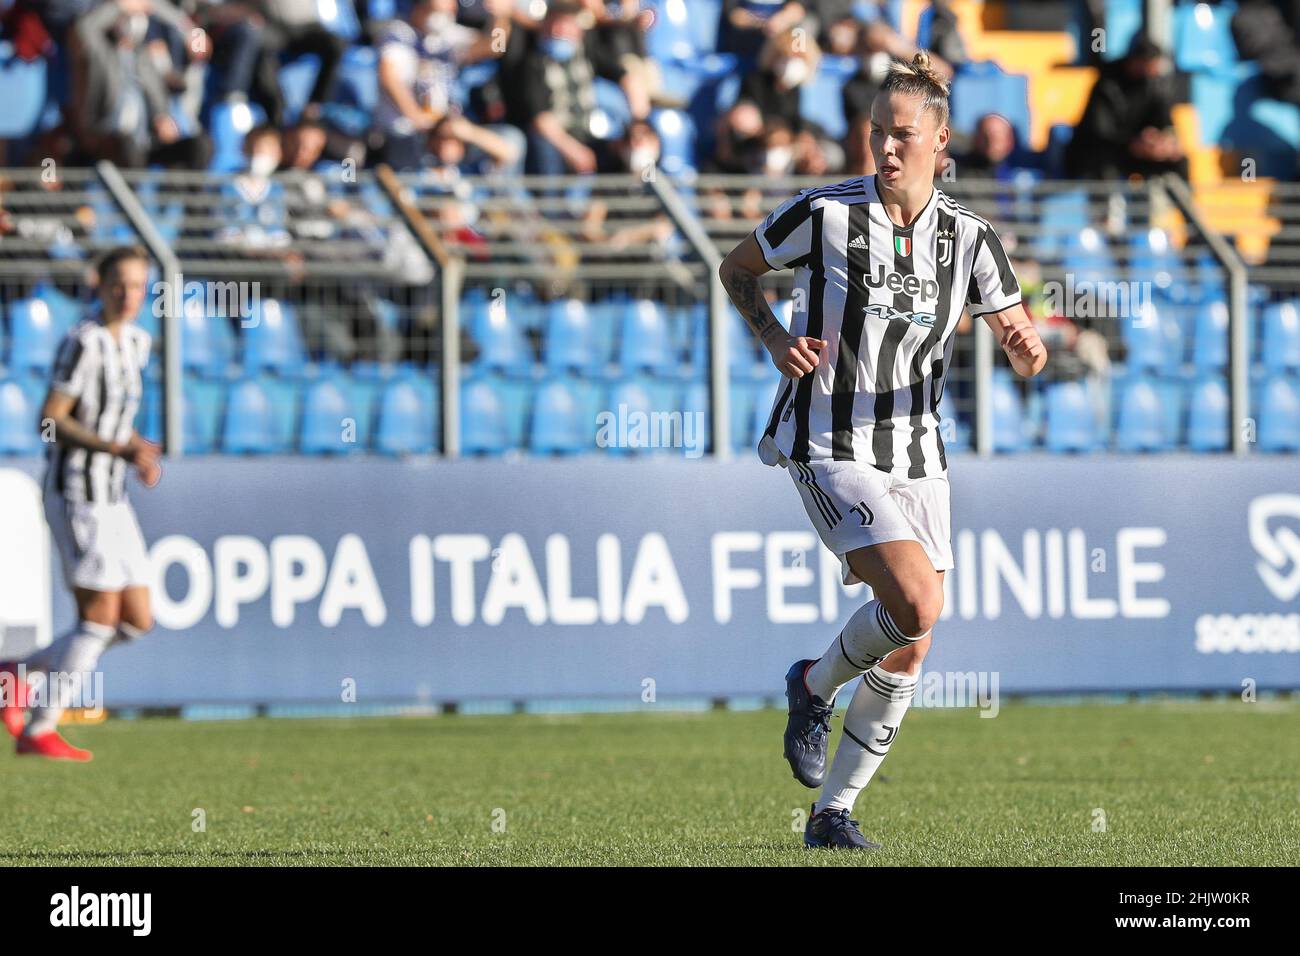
903,245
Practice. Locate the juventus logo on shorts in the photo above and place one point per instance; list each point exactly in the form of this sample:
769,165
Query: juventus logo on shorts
863,512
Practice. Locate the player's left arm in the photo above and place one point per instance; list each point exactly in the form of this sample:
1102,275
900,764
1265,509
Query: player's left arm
1019,339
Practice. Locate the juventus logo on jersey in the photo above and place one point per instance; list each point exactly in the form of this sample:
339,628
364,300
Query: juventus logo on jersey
945,248
903,245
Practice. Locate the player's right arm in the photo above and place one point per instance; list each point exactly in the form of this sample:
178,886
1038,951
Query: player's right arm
793,355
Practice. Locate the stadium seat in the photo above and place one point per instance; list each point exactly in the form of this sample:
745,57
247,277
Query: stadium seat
558,426
697,432
1202,37
249,426
329,422
18,421
1210,343
227,126
1144,338
272,341
1123,19
1069,426
340,18
611,109
501,342
645,342
296,80
405,420
953,431
34,336
1279,415
633,401
1141,413
1208,425
204,339
569,338
24,86
1280,337
676,141
980,88
482,419
1008,416
671,36
822,100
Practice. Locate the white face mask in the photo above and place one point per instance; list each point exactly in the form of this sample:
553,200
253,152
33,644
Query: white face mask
641,157
794,72
778,158
436,23
262,165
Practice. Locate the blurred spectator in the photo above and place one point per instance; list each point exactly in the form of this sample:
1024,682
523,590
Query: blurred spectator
1127,126
636,151
739,136
836,26
619,30
858,160
1269,33
121,102
547,77
815,154
992,150
788,61
746,24
253,39
418,62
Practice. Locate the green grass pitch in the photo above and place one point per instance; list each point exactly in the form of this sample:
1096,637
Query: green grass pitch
1179,783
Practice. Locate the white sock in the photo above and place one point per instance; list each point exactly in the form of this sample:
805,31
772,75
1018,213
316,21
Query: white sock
47,657
870,636
870,726
80,655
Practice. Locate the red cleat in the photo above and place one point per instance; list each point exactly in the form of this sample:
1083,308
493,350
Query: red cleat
13,698
50,744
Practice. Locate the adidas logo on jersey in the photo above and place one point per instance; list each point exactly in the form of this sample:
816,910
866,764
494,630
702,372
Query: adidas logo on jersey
858,242
908,285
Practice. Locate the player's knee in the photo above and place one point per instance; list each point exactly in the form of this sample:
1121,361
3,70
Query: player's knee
136,625
918,611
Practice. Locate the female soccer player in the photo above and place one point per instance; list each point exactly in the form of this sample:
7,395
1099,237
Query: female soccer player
89,415
885,264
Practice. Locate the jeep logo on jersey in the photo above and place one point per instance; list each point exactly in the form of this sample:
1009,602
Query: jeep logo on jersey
908,285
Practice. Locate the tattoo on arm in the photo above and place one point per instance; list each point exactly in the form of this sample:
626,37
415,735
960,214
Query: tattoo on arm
747,296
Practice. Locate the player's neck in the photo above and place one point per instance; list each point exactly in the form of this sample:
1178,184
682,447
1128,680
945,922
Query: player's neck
902,206
113,326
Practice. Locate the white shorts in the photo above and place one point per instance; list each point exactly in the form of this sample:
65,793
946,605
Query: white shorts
853,505
101,544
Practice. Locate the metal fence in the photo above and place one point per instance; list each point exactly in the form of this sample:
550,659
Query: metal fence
346,295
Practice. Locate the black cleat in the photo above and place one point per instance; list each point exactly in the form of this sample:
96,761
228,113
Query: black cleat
808,729
833,830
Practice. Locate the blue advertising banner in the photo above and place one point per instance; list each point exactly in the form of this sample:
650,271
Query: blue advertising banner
279,580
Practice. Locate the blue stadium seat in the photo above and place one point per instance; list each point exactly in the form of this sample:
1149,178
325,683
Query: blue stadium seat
1144,337
1123,19
249,426
501,342
1070,426
1210,343
272,341
646,339
1208,418
329,422
676,141
340,18
1141,414
405,420
34,335
821,100
358,81
569,339
24,86
980,88
482,419
1061,216
205,403
953,431
1151,259
200,350
706,16
612,103
559,425
18,425
632,400
227,125
1280,337
1008,416
697,420
1279,415
671,36
764,398
296,79
1203,38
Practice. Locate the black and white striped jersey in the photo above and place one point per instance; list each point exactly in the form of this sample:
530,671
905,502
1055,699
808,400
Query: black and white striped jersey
886,299
104,376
